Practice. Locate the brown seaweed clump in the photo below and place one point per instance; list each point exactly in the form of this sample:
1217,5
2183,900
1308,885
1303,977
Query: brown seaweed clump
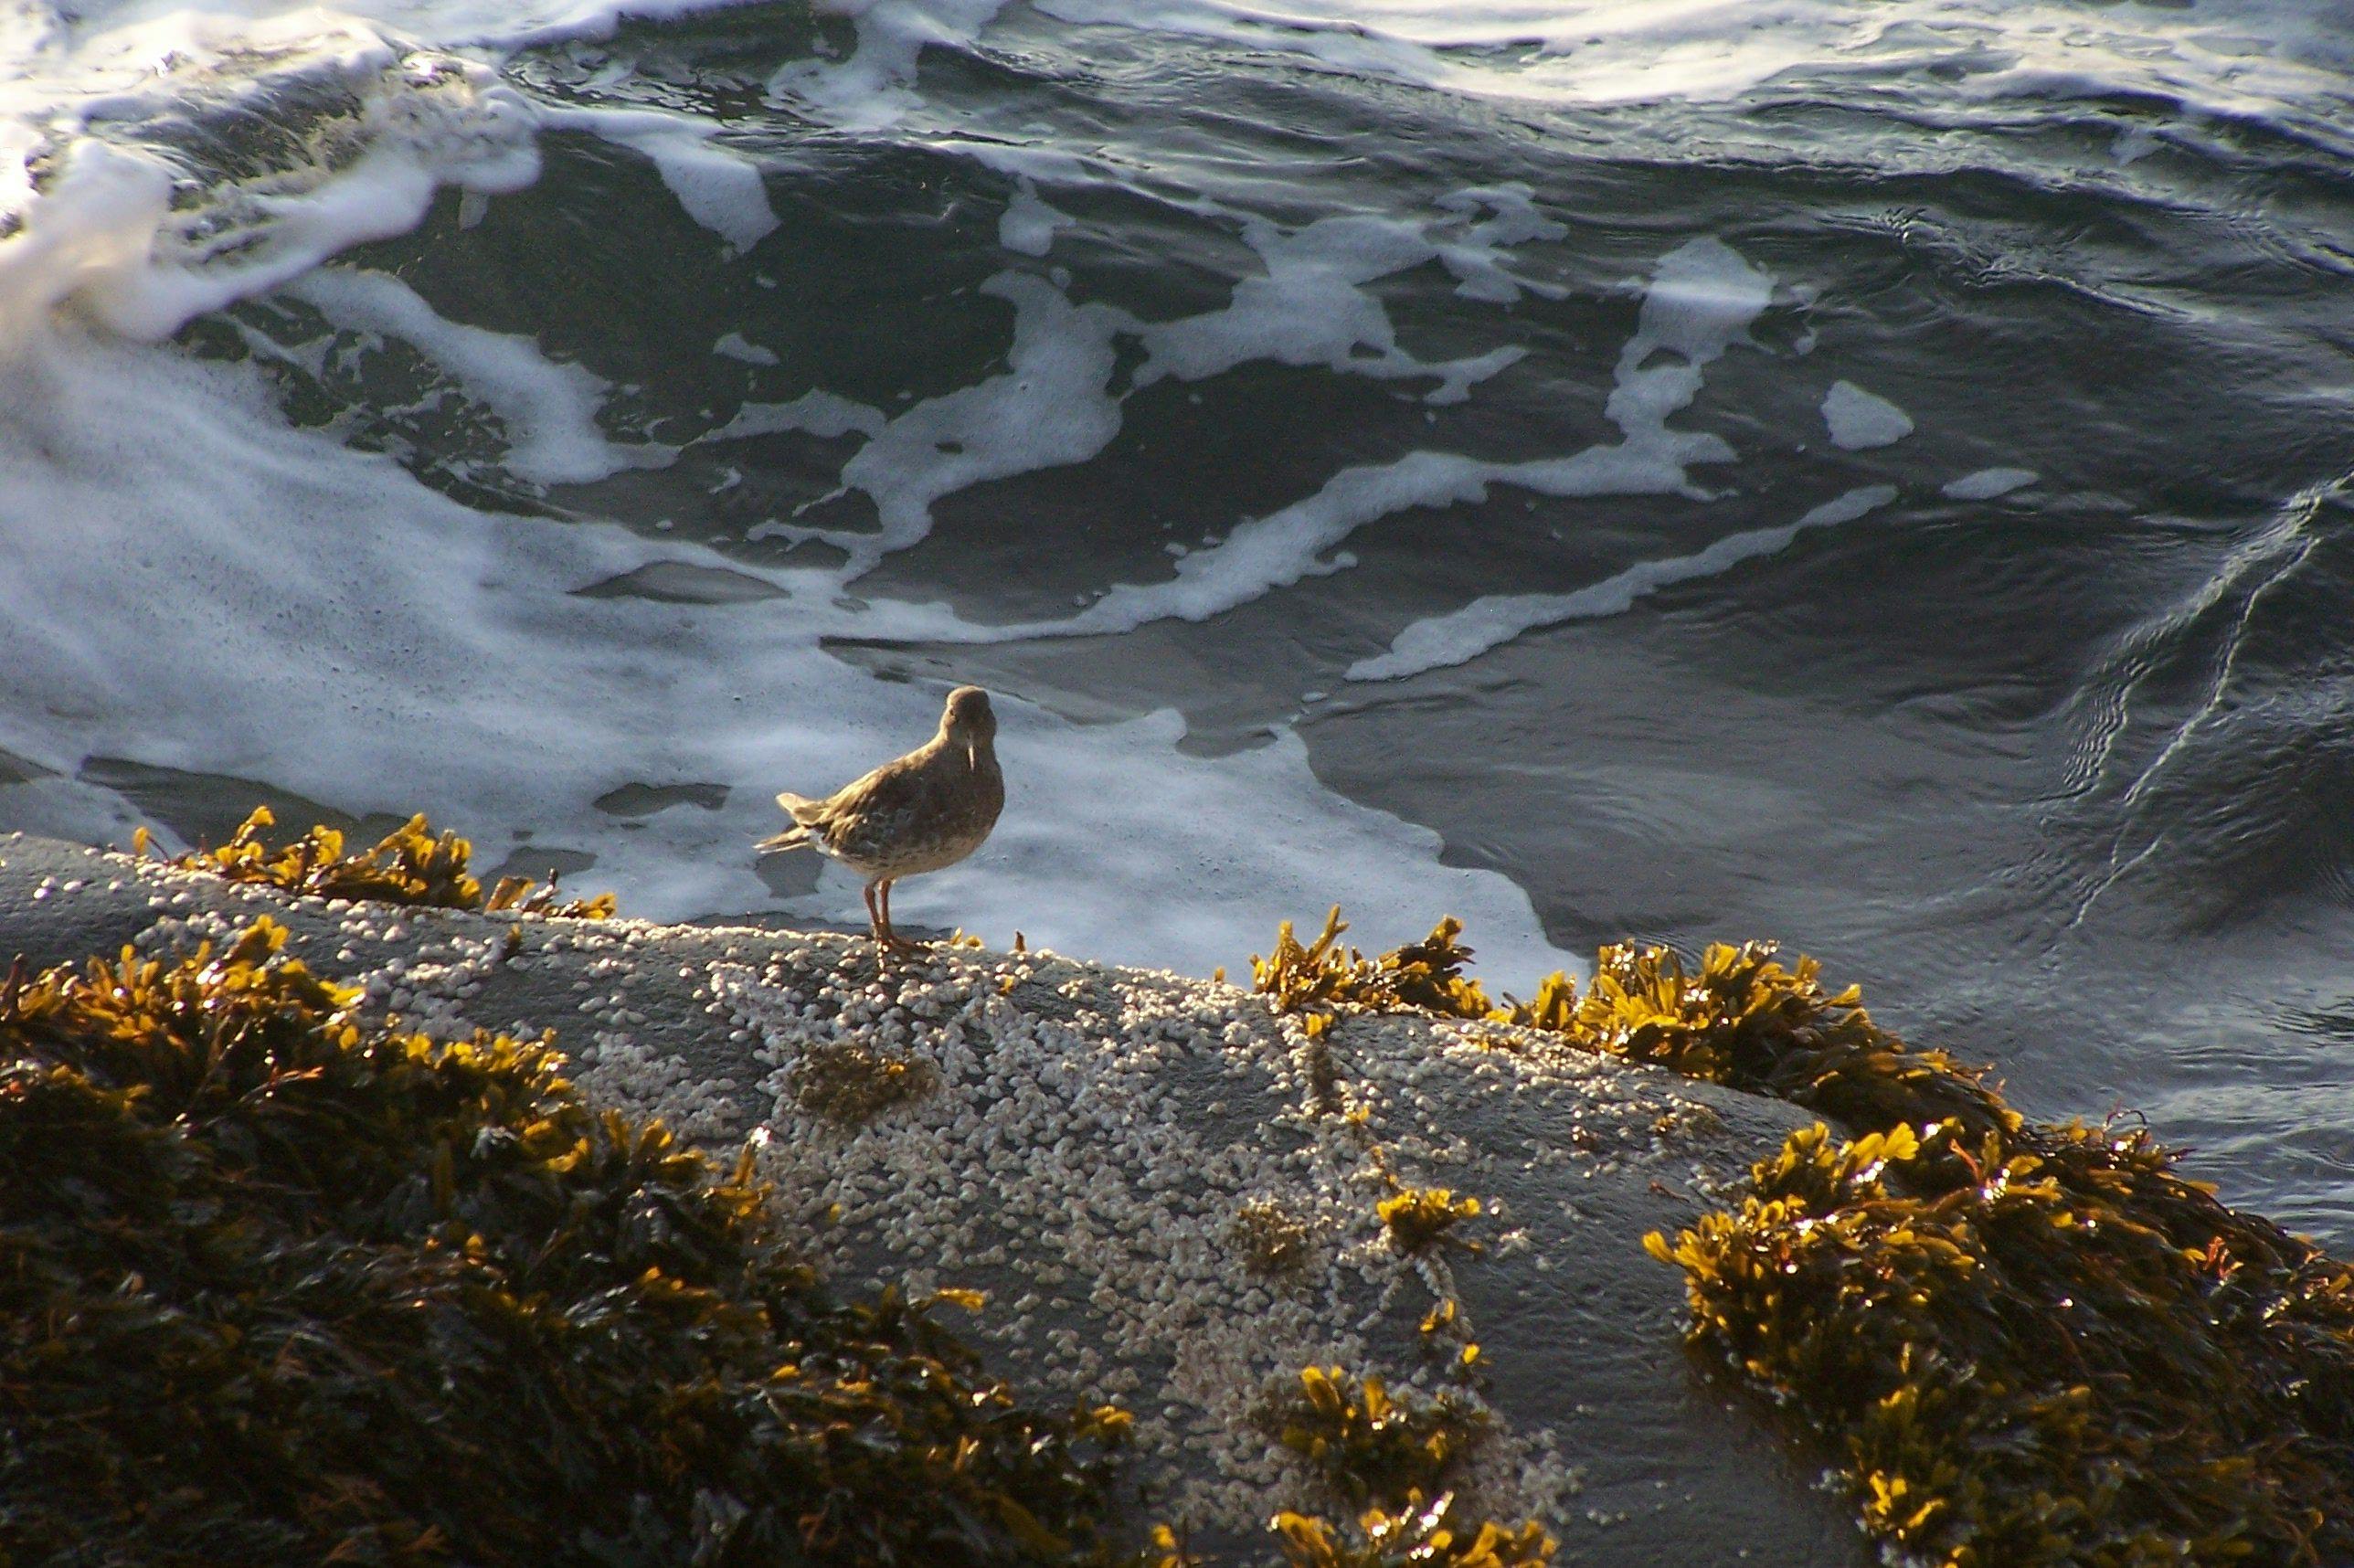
1322,979
1273,1242
851,1082
2039,1346
1745,1021
1417,1219
1368,1446
279,1285
2029,1346
1742,1019
1392,1456
411,865
1418,1534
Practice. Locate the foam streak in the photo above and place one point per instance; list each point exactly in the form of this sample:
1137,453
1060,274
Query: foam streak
1487,623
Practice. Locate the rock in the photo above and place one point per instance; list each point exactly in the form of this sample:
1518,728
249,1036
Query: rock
1168,1192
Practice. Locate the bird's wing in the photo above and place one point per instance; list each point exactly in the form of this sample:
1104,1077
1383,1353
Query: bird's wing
886,792
801,808
870,813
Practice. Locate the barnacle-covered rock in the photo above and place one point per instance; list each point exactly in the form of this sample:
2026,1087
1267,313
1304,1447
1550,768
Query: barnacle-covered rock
1246,1218
1168,1192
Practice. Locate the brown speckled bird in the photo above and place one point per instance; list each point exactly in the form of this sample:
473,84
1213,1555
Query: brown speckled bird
920,812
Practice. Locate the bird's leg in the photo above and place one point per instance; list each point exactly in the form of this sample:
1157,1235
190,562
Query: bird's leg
890,938
874,922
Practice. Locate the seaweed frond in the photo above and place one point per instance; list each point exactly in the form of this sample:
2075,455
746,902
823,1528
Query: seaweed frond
1745,1021
1412,1535
1322,979
411,865
1390,1456
1419,1218
523,896
1368,1446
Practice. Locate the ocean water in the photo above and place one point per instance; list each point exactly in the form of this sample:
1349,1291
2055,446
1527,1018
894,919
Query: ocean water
1869,474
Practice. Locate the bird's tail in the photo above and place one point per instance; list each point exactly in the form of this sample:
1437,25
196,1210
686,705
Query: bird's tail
790,839
805,813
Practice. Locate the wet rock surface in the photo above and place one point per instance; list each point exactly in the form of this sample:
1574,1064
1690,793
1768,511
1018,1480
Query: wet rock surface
1168,1192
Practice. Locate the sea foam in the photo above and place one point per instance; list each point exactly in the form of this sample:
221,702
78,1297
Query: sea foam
435,659
1700,300
1859,420
1463,635
198,585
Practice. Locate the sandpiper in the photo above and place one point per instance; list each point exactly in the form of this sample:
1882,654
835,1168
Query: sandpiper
919,812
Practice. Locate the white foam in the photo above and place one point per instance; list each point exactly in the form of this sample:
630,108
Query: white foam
1702,297
737,346
821,413
106,239
1310,305
1859,420
717,187
110,232
1054,406
1028,224
549,410
1595,53
70,810
873,86
314,616
1051,408
1497,218
1463,635
1989,482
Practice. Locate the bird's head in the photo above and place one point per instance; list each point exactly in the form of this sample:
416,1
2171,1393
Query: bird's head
967,721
